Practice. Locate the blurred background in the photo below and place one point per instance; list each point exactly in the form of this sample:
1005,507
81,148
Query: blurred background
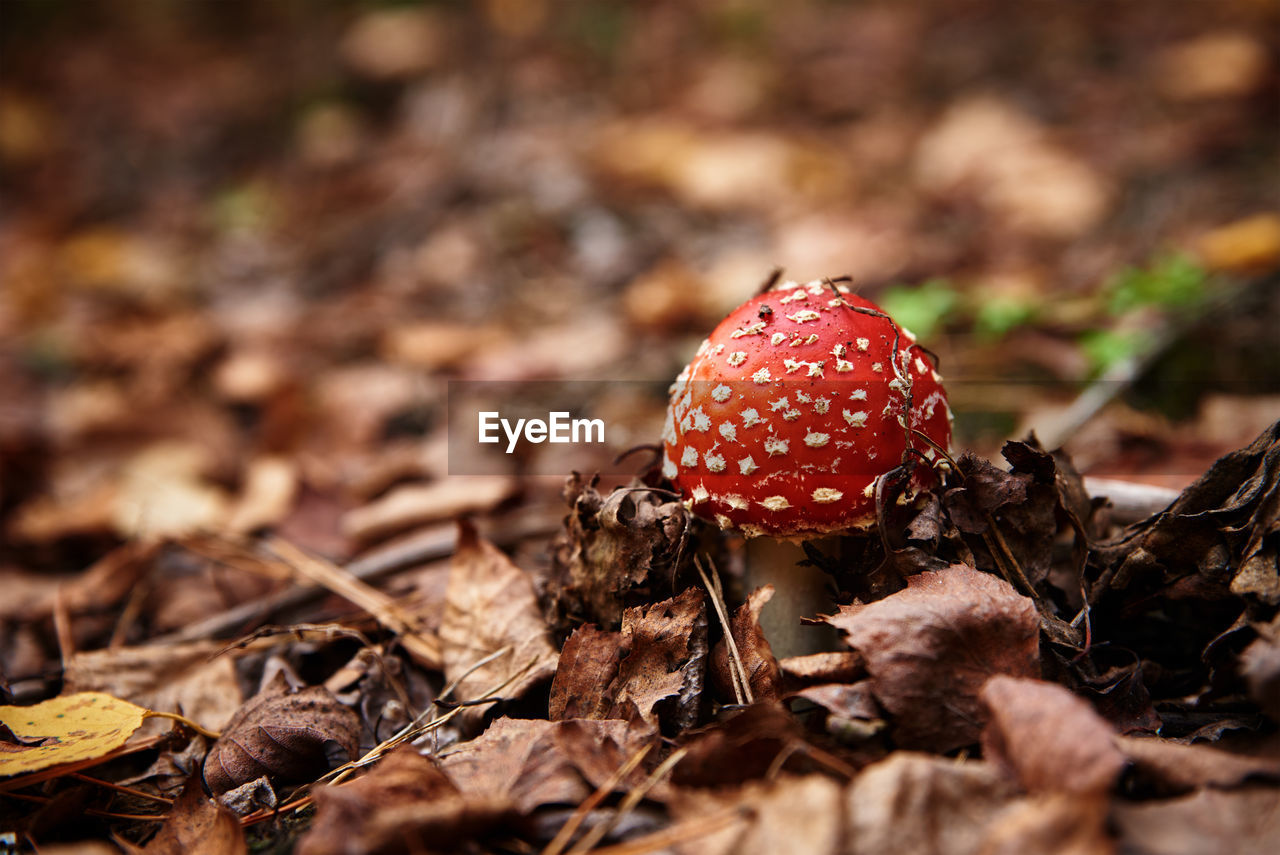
243,245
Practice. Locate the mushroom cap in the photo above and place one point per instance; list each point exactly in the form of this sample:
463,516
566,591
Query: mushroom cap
792,409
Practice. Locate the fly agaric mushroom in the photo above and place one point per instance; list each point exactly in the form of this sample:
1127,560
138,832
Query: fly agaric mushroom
784,421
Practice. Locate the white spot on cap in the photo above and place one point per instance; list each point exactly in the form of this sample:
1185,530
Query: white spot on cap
753,329
816,440
844,365
718,349
704,347
780,404
715,462
791,415
815,369
791,298
774,446
863,344
778,338
792,366
920,366
838,351
816,287
821,406
775,503
721,393
736,358
836,302
813,337
750,417
746,465
701,421
723,521
738,503
668,467
858,395
877,367
729,432
802,397
827,495
804,316
870,489
690,457
762,376
858,419
699,494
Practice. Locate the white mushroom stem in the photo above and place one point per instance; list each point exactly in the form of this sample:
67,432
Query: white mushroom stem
1131,501
799,591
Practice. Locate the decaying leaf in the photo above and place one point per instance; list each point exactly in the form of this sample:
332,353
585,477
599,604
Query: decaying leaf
1171,768
914,803
762,672
1052,824
198,824
789,814
490,604
81,726
930,648
405,803
1051,740
585,673
288,736
663,667
1243,822
616,551
741,747
531,762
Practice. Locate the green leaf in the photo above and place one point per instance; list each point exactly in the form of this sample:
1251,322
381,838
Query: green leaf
1172,282
923,308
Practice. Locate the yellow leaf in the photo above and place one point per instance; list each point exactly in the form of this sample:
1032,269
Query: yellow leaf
67,729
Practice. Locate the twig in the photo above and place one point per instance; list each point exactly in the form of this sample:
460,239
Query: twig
738,675
562,838
628,804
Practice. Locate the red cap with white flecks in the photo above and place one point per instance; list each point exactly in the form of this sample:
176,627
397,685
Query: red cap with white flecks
794,406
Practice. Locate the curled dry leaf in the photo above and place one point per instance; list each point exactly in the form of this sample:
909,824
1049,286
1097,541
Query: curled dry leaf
616,551
405,803
1050,739
1173,768
530,762
287,736
588,664
930,648
915,803
742,747
198,824
490,604
1243,822
761,668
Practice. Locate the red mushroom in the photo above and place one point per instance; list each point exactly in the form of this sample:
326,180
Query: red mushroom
789,413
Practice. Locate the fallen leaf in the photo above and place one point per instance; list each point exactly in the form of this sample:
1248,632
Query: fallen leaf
1050,739
1052,824
743,746
587,667
270,487
65,729
1243,822
404,803
490,604
930,648
181,678
664,661
788,814
287,736
418,504
762,672
916,804
1170,768
531,762
198,824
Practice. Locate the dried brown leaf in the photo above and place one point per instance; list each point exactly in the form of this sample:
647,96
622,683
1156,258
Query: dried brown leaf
741,747
490,604
789,814
587,667
1053,824
1173,768
844,666
531,762
405,803
930,648
1052,740
417,504
915,804
761,668
1243,822
664,662
198,824
287,736
616,551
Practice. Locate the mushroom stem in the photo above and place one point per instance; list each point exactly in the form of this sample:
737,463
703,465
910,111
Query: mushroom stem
800,590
